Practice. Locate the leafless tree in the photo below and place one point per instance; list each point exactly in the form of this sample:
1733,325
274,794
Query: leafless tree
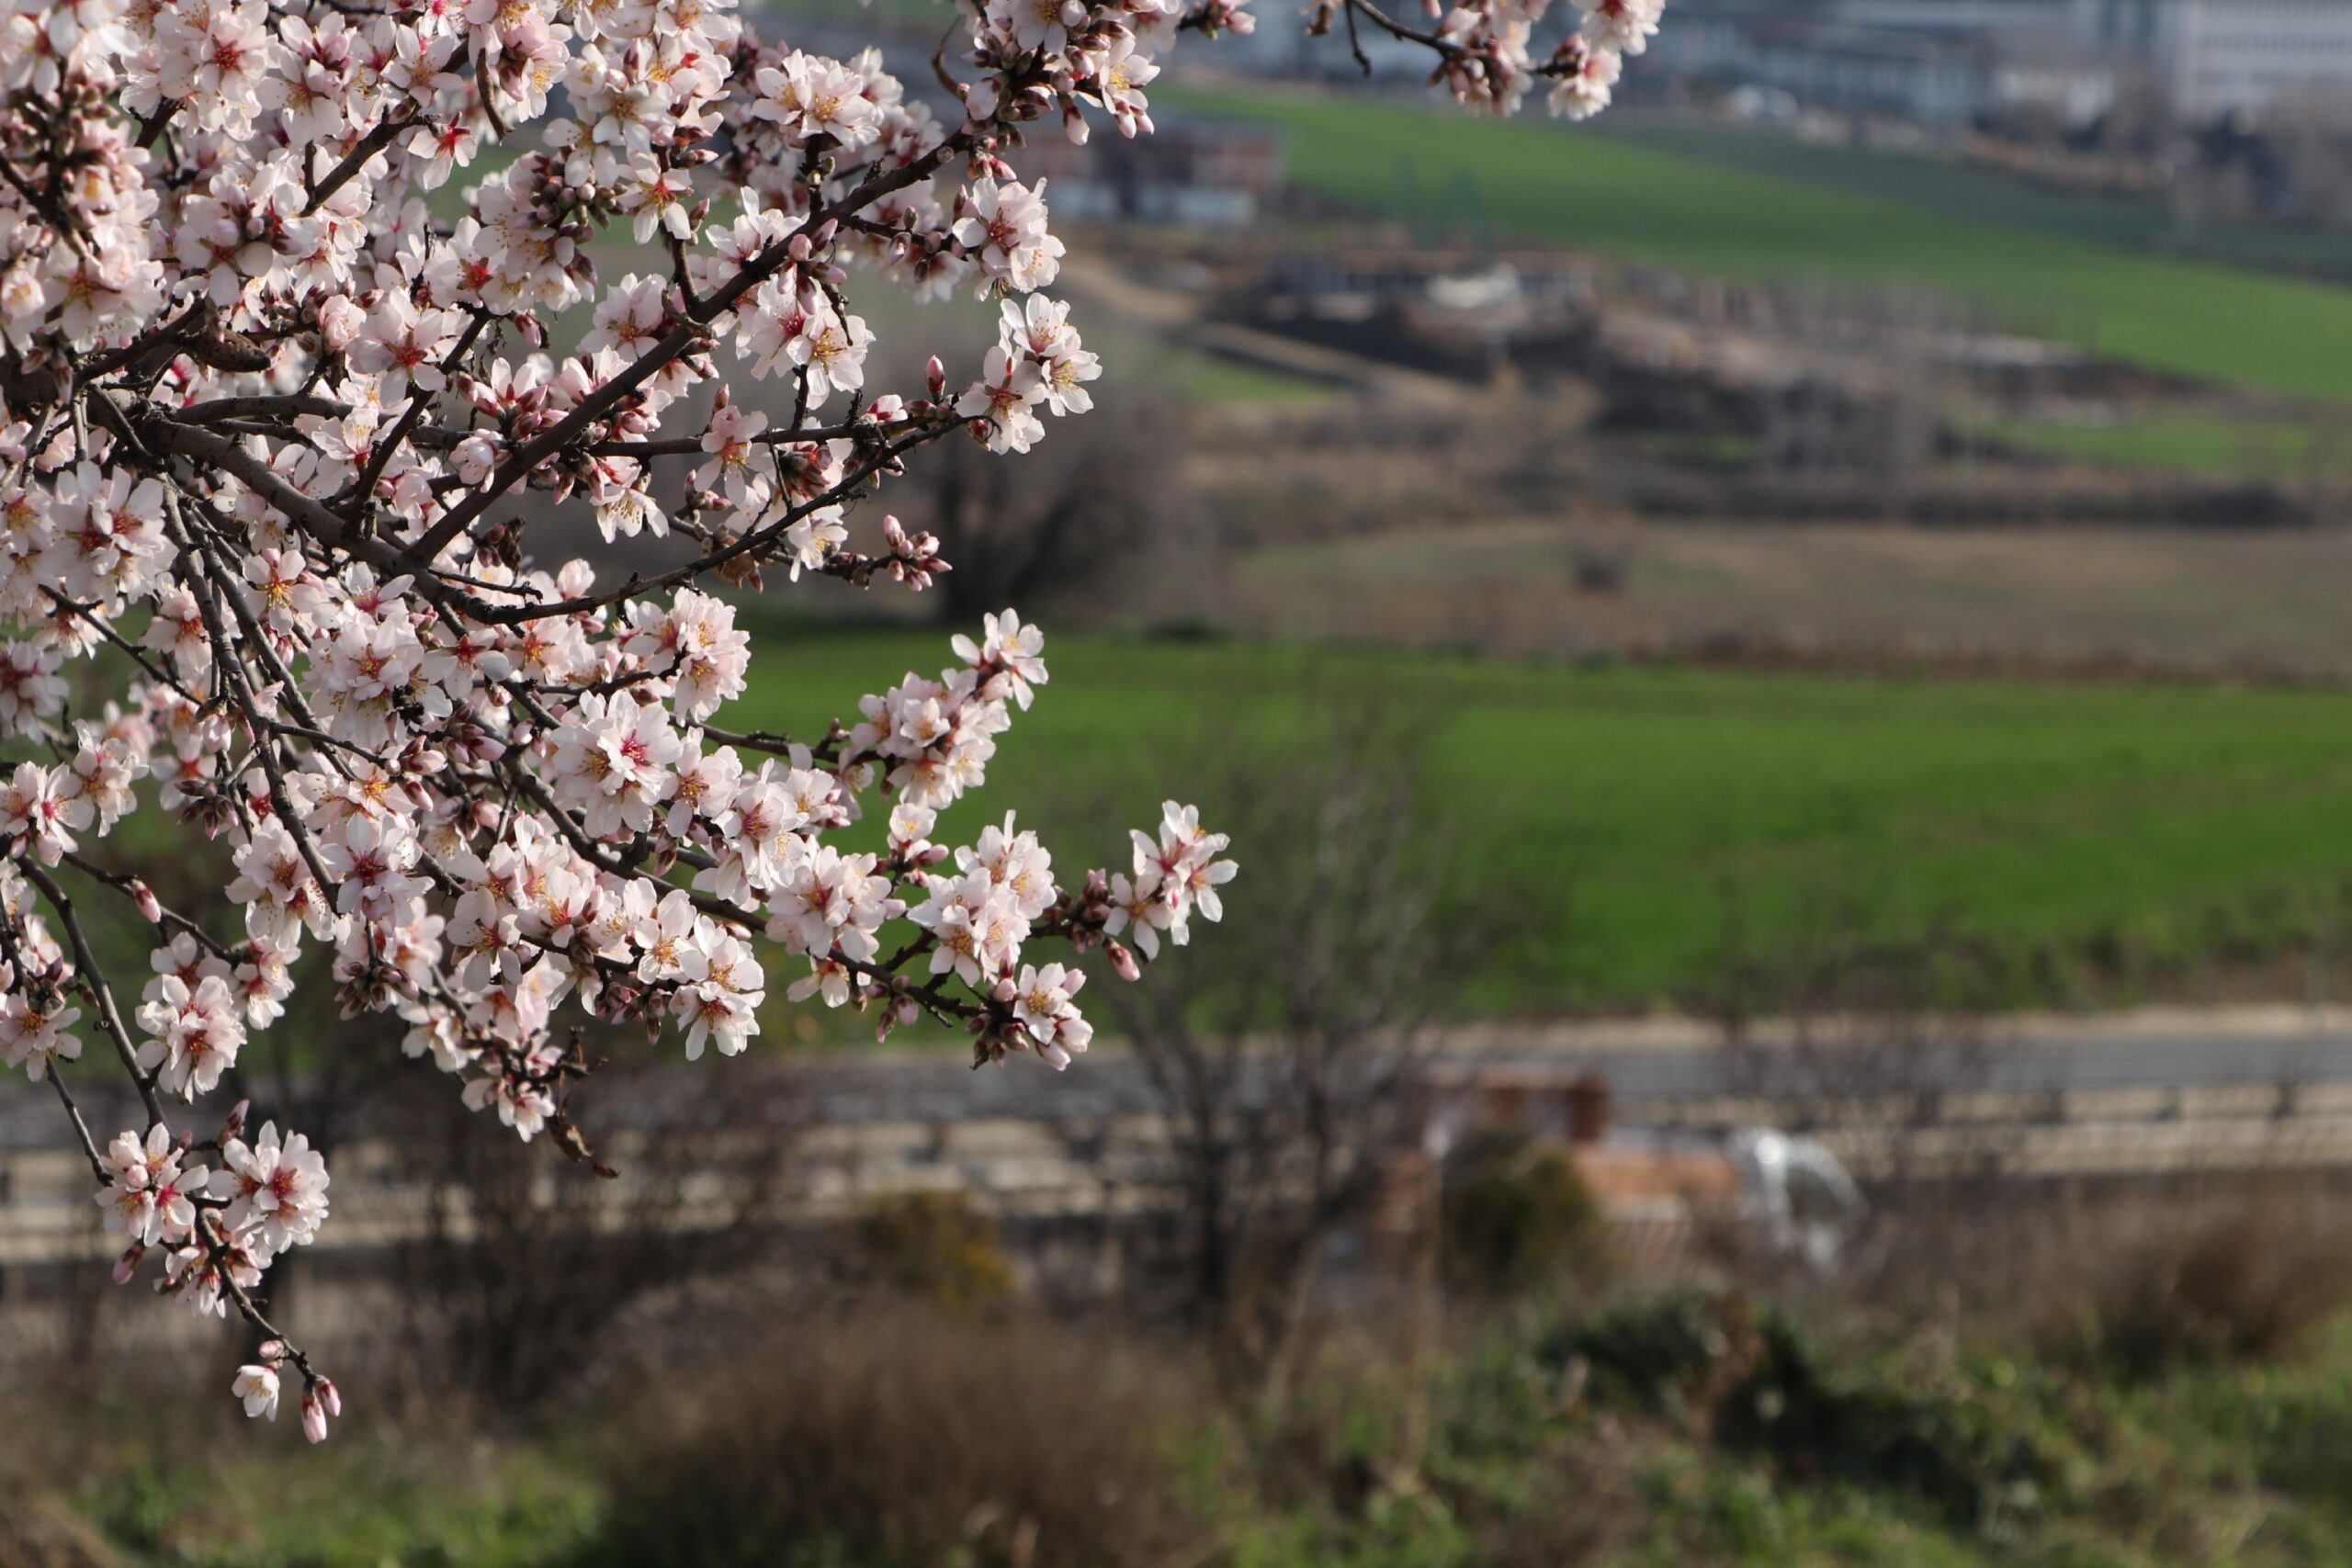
1055,528
1859,1039
522,1262
1283,1055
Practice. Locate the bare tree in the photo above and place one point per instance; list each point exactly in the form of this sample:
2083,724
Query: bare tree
1283,1055
1055,528
521,1263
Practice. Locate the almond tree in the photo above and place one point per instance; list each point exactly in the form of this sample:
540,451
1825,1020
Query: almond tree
266,423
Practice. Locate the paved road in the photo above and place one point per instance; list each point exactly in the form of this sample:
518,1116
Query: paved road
2117,1097
1662,1065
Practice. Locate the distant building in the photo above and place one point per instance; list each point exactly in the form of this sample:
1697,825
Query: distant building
1935,76
1944,63
1194,174
2217,58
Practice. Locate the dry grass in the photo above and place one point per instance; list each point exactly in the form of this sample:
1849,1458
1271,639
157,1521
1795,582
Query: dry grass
2246,1272
2092,600
911,1437
2132,1280
37,1533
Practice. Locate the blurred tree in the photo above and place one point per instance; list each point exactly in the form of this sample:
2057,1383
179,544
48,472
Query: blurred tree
1282,1045
1055,529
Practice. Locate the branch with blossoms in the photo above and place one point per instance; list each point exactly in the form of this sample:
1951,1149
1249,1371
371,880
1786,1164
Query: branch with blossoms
289,474
1483,55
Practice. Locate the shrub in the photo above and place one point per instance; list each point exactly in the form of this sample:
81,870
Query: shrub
1980,1442
907,1438
935,1247
36,1532
2224,1276
1516,1211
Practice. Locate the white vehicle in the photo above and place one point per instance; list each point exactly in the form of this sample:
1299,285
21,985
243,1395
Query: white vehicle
1800,1198
1785,1193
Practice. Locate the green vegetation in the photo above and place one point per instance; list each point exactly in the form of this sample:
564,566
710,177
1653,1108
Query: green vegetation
1206,378
373,1498
1985,195
2217,446
1674,1429
2023,843
1533,181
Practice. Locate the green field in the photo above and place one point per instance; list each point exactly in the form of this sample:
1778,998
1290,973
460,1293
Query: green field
1982,195
1535,181
2216,447
2031,843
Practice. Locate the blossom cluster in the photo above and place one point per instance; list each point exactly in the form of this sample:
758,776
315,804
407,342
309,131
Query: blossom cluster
1491,53
295,480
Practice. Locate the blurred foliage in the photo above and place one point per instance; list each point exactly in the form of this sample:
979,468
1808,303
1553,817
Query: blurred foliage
259,1497
1674,1429
1982,1445
1517,1212
936,1247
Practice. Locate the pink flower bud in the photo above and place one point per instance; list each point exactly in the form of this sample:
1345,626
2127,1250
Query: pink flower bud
1122,963
127,1264
934,377
151,909
315,1418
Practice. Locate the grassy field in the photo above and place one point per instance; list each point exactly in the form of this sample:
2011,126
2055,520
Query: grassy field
2038,843
1535,181
2216,447
2181,602
1982,195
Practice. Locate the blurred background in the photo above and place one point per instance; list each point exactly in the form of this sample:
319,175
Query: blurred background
1776,666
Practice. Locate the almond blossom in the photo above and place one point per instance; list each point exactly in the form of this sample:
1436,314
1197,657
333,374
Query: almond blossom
266,417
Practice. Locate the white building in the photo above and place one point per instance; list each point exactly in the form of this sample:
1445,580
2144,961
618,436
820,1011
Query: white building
2212,57
2224,57
1937,63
